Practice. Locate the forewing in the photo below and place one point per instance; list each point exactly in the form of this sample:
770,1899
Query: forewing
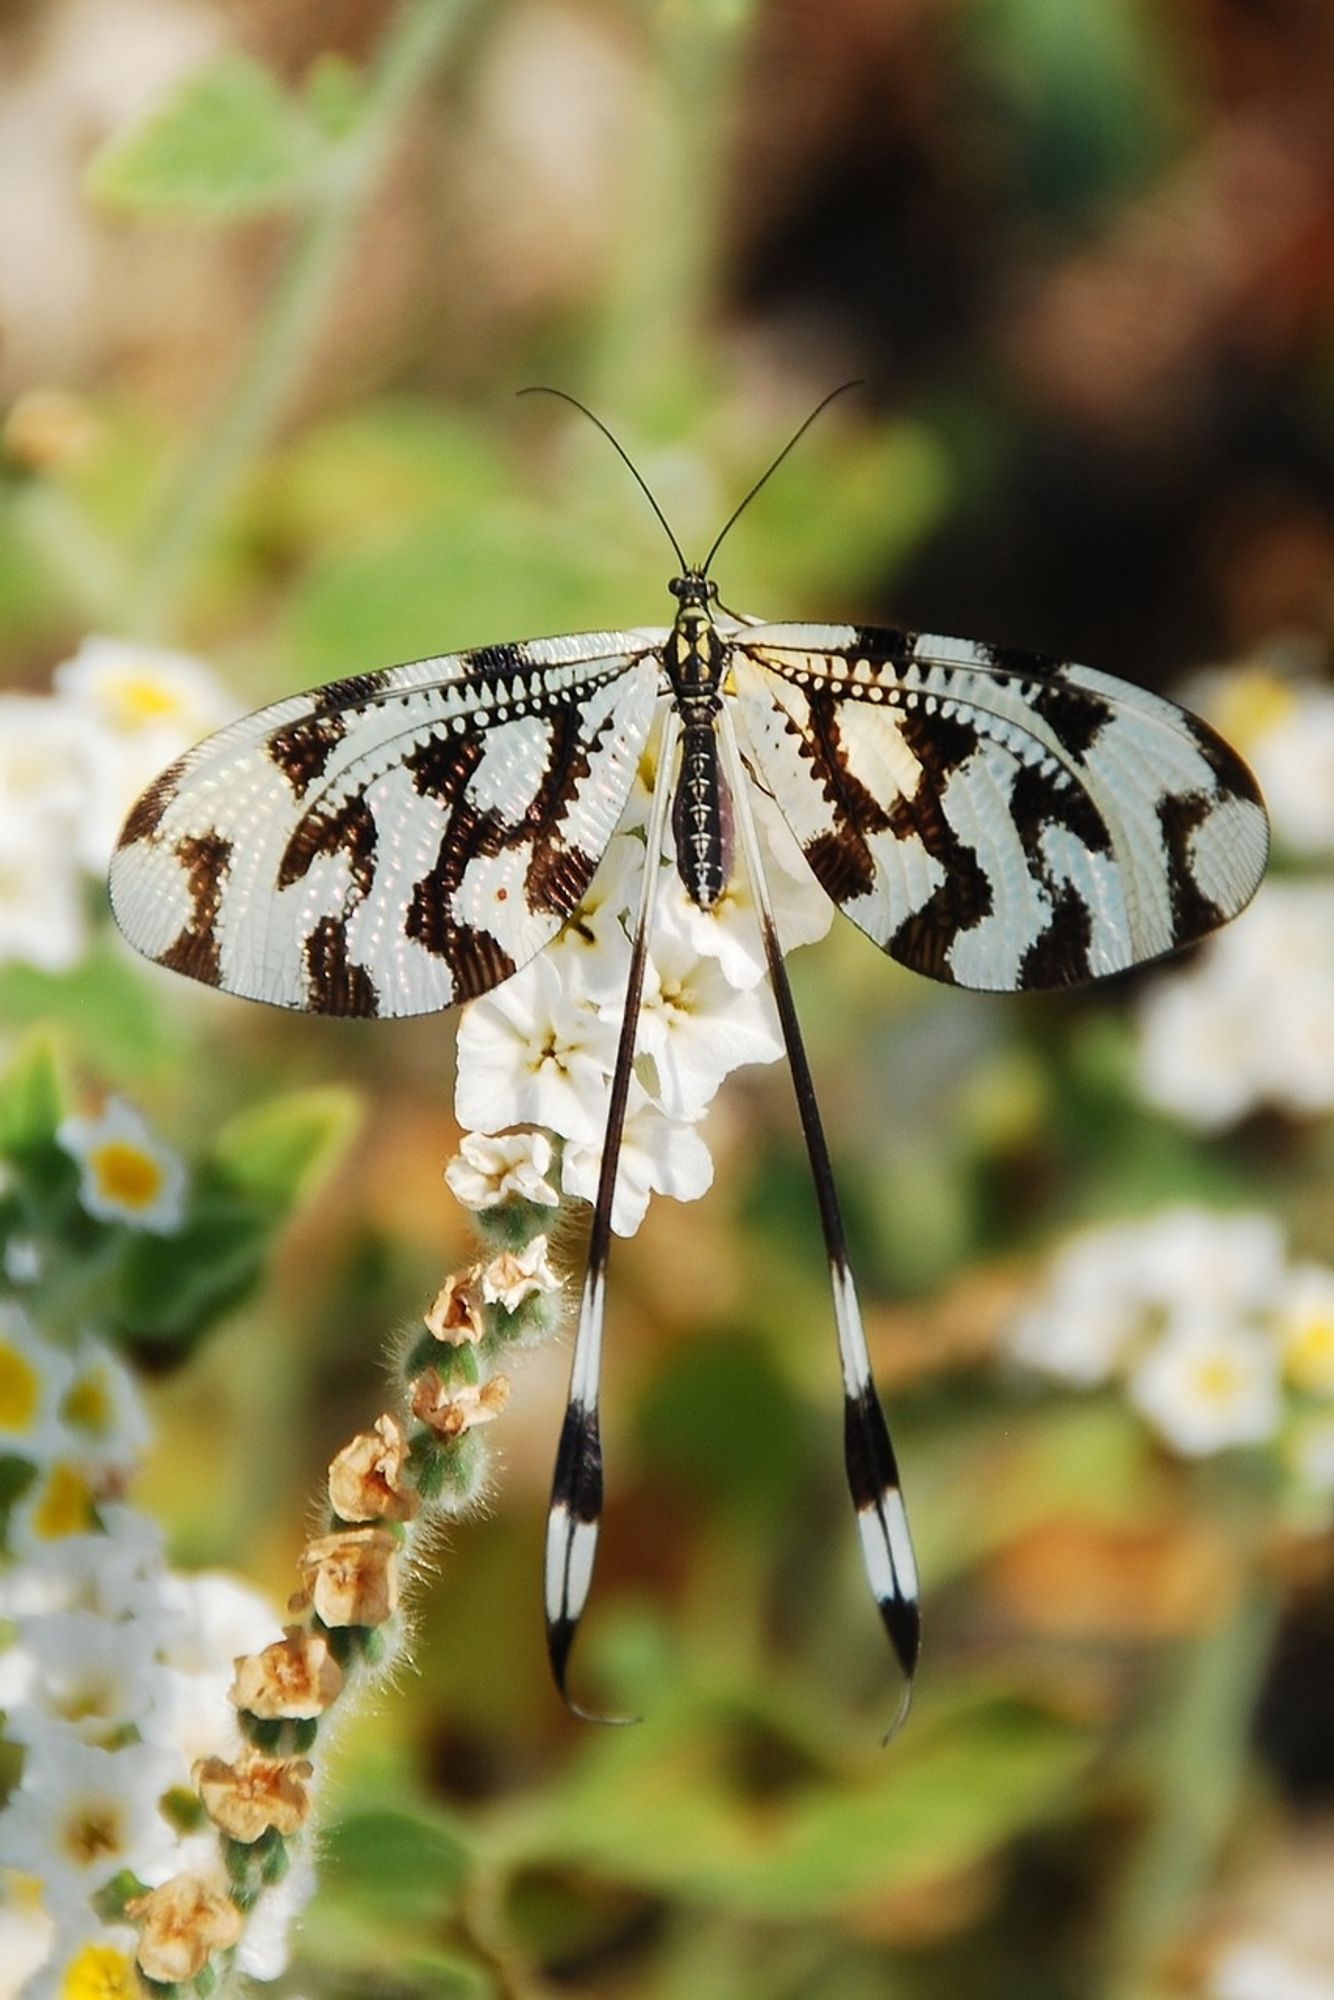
995,819
394,843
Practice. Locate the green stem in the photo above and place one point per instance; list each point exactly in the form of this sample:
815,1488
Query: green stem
1195,1763
251,406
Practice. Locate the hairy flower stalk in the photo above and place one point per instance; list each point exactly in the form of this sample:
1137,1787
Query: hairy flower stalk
388,1488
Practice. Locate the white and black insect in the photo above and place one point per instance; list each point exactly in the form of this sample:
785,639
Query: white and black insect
404,840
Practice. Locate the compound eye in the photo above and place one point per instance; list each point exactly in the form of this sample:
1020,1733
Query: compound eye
676,585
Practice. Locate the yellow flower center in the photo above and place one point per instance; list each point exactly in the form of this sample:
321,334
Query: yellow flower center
1218,1379
66,1507
126,1175
88,1406
1310,1355
20,1390
95,1833
100,1972
135,701
1253,703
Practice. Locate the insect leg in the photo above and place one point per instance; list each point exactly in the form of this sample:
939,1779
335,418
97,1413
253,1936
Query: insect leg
872,1470
576,1492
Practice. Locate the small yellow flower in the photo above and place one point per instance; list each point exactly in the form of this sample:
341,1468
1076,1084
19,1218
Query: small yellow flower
62,1505
126,1175
1304,1318
100,1972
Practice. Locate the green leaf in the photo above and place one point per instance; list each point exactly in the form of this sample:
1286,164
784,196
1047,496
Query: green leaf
412,1862
279,1152
660,1807
32,1100
336,93
228,142
105,1005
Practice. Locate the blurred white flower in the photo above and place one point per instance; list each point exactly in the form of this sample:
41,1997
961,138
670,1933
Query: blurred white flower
1282,722
1256,1969
1310,1453
94,1674
81,1813
1082,1324
659,1155
1197,1312
1208,1385
34,1376
532,1053
42,916
126,1175
144,707
43,757
1251,1022
1305,1319
487,1171
25,1932
102,1411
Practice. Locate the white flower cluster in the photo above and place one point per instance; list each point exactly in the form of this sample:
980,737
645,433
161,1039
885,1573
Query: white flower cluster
71,765
113,1683
1260,1969
1251,1022
1218,1339
539,1051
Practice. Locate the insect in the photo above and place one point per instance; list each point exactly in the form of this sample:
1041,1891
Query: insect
404,840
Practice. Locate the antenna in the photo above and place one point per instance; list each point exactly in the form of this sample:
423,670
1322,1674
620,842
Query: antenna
543,389
800,432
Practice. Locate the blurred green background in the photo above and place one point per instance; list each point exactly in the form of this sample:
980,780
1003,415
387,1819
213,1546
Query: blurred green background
269,278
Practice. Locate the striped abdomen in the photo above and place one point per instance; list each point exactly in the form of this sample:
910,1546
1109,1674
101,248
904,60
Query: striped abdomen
702,815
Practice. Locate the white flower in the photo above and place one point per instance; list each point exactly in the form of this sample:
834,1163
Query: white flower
102,1411
658,1154
82,1813
264,1950
533,1054
487,1171
1256,1969
1082,1324
126,1175
1207,1385
1283,724
42,757
42,917
114,1572
697,1027
592,953
730,931
1203,1263
1310,1453
34,1376
23,1260
1252,1022
211,1618
1304,1321
94,1674
61,1501
25,1932
144,706
517,1275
